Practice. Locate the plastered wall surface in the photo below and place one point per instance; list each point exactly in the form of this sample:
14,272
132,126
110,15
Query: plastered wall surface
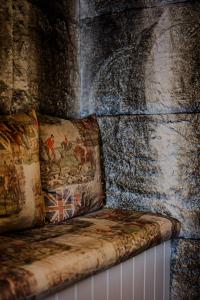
185,266
136,60
140,74
152,163
93,8
39,58
6,61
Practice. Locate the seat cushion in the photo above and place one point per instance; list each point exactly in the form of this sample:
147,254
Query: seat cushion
70,167
39,260
21,201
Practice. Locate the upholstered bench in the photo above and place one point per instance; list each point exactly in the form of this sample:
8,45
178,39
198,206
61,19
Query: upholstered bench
40,261
79,237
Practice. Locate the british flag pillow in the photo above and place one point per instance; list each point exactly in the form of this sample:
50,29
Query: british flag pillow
70,167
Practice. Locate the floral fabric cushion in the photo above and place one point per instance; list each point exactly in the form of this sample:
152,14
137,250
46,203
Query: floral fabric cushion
39,260
21,201
70,167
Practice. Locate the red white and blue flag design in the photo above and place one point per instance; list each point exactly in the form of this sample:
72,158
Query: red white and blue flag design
60,205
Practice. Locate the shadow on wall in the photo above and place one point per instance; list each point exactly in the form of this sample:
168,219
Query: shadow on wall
136,61
38,57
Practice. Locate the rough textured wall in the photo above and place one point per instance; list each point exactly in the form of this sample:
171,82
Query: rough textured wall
6,60
27,58
39,58
142,57
93,8
119,57
152,163
136,60
61,70
185,280
140,65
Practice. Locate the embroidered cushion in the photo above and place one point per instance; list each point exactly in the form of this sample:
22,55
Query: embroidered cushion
21,201
45,259
70,167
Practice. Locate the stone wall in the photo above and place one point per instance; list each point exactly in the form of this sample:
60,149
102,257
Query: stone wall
142,58
6,60
136,60
140,73
185,266
152,163
136,64
39,59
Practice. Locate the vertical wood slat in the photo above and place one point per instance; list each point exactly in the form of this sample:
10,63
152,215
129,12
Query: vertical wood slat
114,283
100,286
167,259
139,277
84,290
144,286
67,294
127,280
149,274
107,284
144,277
159,272
53,297
133,265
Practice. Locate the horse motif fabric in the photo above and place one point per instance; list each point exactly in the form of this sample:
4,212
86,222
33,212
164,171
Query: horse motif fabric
70,167
21,200
38,260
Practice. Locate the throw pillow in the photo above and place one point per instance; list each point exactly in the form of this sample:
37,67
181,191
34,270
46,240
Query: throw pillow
70,167
21,201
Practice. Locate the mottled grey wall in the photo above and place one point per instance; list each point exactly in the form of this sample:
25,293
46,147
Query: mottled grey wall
140,60
39,56
119,57
93,8
143,57
6,57
152,163
185,279
61,70
139,63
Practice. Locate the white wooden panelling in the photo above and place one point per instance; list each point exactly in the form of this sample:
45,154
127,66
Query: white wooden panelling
127,280
159,288
100,281
66,294
139,277
114,283
144,277
166,275
84,289
149,274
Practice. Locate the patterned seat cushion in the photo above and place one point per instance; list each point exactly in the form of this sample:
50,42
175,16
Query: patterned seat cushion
70,167
40,259
21,201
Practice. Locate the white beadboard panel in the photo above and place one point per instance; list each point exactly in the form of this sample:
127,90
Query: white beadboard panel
68,294
107,284
145,260
167,254
84,289
159,272
139,277
144,277
100,286
114,283
127,280
149,274
133,264
53,297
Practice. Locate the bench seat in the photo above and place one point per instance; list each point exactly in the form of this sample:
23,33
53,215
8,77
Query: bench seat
38,260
